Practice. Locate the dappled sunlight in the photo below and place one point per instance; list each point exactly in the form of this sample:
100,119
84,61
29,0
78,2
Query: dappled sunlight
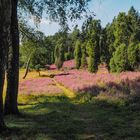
81,83
98,108
39,86
31,75
82,117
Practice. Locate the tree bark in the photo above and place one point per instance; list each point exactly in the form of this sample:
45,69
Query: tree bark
2,75
5,42
11,105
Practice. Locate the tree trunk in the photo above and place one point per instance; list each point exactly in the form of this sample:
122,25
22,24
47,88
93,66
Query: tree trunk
11,105
2,75
5,42
27,67
1,71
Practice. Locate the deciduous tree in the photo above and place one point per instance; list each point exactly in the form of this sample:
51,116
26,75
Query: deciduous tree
5,43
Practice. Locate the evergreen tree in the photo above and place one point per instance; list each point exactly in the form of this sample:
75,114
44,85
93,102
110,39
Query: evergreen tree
121,30
109,41
104,51
112,65
78,54
119,61
125,29
92,60
59,54
133,56
134,26
92,29
83,59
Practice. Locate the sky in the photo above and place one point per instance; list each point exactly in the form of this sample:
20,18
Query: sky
105,10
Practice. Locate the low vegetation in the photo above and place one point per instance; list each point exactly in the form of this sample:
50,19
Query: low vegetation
105,106
79,85
84,117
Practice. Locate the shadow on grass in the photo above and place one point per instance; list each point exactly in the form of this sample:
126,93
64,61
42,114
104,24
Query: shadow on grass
122,89
82,118
54,75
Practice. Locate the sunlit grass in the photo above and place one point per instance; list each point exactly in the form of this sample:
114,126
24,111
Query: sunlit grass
66,91
31,75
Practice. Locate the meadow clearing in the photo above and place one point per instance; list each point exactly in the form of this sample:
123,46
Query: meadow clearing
69,70
77,105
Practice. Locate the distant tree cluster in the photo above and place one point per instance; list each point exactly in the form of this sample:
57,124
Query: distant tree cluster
38,52
117,45
123,41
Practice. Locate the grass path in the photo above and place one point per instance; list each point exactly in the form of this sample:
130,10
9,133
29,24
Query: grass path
66,91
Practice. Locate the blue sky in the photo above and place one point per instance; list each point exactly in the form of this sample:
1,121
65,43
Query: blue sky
105,10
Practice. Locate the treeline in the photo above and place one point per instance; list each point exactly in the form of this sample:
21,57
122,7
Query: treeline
117,45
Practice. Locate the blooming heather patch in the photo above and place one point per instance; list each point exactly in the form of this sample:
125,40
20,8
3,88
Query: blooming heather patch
39,86
70,64
52,67
82,80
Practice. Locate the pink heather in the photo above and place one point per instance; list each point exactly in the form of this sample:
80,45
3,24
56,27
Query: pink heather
76,80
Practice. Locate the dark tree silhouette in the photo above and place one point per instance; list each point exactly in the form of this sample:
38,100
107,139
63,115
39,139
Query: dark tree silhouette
5,42
13,65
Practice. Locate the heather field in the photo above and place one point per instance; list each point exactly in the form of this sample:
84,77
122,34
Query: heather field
77,105
80,81
69,70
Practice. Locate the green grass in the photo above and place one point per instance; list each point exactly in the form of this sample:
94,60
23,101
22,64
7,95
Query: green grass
82,118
